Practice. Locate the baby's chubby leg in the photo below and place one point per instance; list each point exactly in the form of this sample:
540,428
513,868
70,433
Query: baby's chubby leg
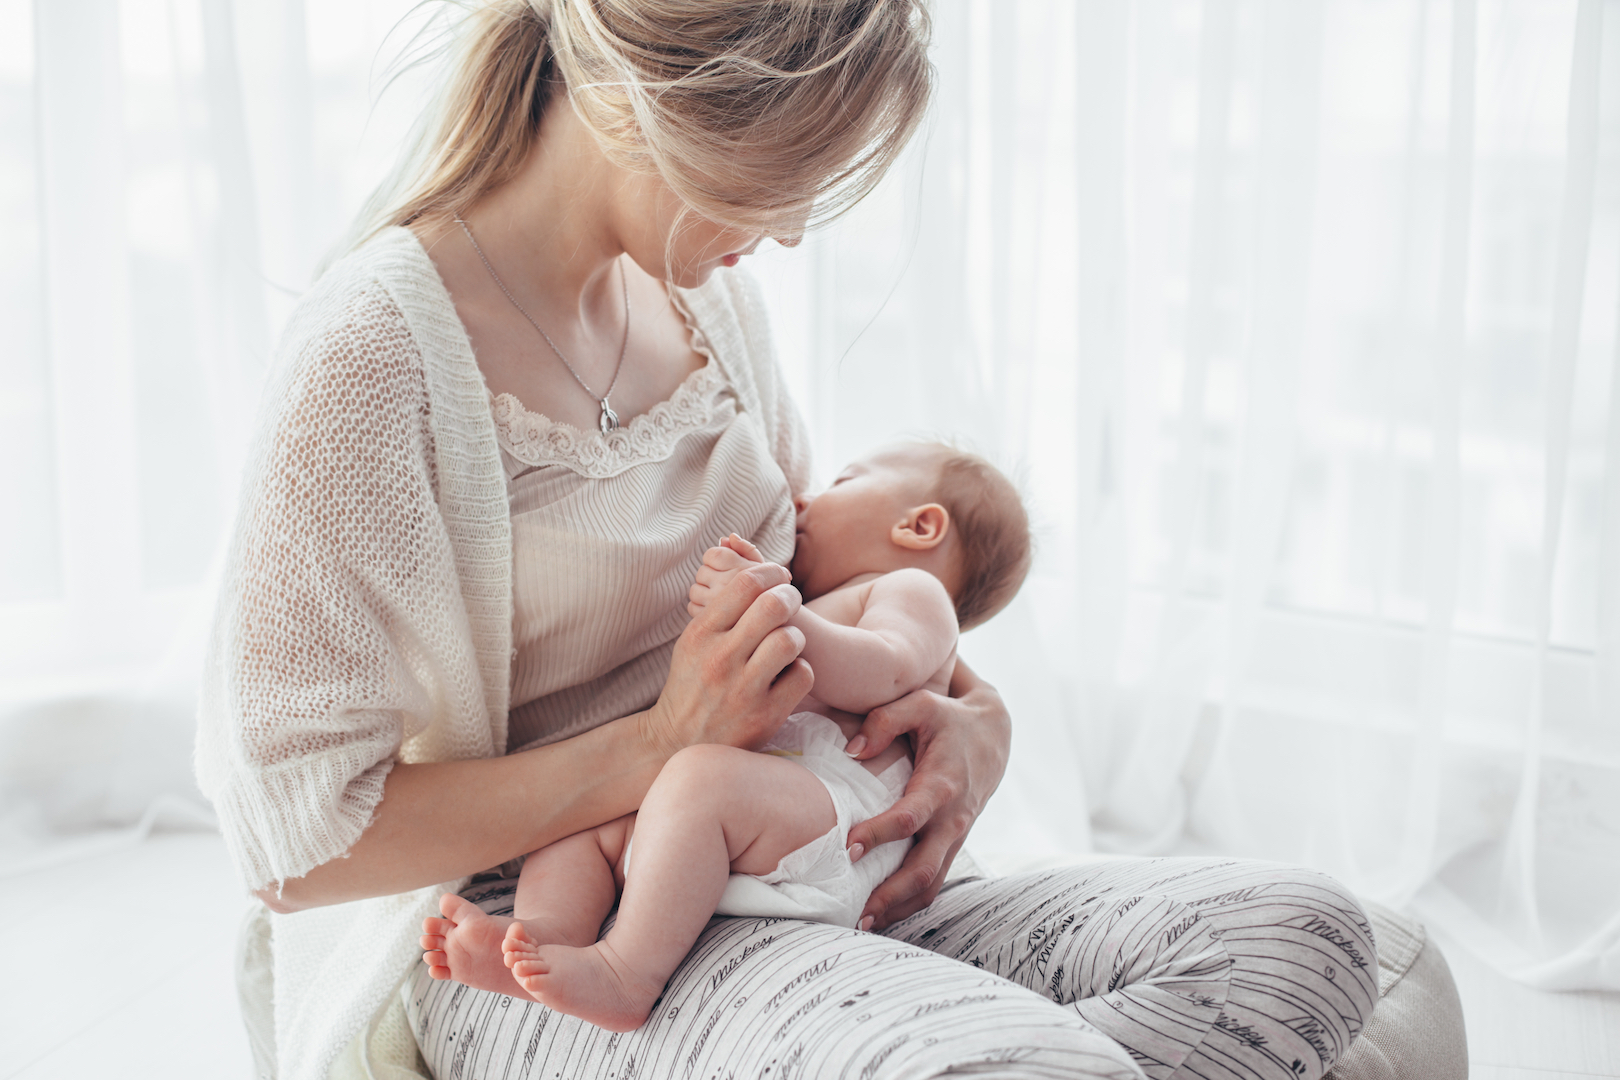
567,888
565,891
713,810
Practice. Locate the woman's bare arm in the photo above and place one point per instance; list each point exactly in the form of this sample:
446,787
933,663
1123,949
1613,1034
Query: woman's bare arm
734,675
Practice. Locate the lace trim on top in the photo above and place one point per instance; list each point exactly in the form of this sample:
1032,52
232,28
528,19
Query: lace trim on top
536,439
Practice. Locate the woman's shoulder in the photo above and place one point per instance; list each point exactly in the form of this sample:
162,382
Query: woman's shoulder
388,283
379,308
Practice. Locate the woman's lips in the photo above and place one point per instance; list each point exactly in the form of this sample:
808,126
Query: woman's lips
731,260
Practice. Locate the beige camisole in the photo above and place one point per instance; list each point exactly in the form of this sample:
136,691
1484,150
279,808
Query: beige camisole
607,534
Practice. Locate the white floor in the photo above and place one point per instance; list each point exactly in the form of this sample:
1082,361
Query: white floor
128,968
1516,1033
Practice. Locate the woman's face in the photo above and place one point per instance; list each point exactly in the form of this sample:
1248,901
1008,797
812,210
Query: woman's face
684,247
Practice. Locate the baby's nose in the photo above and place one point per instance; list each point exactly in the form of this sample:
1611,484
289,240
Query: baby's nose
800,503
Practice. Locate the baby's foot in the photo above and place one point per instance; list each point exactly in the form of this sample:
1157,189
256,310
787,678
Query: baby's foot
465,946
592,983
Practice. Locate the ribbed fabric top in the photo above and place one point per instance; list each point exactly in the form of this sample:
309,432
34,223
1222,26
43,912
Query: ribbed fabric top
607,535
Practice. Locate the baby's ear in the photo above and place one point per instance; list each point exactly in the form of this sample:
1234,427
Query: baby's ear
923,528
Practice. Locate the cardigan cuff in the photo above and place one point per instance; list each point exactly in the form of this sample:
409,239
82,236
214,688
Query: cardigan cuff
281,823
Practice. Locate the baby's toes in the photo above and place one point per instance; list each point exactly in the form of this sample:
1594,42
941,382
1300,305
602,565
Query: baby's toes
530,967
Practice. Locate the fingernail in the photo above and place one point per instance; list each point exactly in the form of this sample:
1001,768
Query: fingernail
866,922
856,850
854,747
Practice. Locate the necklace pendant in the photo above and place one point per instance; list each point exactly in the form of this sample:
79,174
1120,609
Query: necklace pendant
609,420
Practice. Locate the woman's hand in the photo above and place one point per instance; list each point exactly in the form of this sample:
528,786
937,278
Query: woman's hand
962,743
736,672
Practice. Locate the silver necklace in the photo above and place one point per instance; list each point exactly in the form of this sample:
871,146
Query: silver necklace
609,420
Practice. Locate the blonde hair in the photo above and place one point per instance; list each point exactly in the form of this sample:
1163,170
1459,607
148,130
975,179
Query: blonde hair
759,114
993,544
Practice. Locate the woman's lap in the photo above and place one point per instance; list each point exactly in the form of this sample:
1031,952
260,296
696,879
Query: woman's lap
777,998
1205,953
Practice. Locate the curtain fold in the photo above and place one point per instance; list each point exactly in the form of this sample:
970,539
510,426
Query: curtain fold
1298,320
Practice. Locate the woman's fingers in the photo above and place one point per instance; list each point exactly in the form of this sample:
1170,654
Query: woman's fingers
773,608
962,743
735,672
791,684
925,795
730,604
918,881
888,722
773,654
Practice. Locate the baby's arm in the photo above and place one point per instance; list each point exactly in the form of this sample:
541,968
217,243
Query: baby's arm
905,634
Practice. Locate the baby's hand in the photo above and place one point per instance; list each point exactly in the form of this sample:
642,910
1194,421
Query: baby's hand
720,565
742,547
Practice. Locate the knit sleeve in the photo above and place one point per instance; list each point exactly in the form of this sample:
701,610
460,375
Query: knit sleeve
340,633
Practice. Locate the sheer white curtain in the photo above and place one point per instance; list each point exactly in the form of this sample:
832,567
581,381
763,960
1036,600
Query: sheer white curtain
1298,318
170,173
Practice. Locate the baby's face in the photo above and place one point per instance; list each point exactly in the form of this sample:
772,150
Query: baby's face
844,531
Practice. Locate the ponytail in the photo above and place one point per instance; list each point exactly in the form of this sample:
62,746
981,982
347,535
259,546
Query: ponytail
485,123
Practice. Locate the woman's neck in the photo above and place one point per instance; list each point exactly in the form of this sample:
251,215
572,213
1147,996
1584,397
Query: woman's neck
553,229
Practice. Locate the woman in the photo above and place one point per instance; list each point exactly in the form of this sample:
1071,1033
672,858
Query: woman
504,430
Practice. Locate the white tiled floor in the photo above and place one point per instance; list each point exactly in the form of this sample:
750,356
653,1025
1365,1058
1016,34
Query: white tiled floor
128,963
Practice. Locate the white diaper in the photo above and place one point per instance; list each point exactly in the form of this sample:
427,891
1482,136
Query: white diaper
817,881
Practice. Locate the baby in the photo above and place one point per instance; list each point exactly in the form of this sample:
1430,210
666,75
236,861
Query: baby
903,547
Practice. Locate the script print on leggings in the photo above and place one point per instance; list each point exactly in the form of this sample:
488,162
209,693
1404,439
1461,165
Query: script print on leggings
771,998
1190,968
1214,969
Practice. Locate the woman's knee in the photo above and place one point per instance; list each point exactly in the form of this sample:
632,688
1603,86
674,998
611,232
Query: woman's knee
1242,953
1305,965
1283,908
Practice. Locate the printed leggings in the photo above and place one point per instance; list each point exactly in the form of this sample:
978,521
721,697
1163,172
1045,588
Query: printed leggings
1158,967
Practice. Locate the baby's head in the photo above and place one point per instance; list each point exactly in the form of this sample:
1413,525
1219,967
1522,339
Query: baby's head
922,505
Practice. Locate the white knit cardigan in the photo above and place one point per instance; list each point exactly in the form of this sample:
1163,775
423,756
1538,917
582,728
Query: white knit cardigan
366,613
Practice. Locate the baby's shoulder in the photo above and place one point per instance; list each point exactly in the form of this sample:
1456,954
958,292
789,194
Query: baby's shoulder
916,589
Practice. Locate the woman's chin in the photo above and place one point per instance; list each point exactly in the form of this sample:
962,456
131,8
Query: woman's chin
690,277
